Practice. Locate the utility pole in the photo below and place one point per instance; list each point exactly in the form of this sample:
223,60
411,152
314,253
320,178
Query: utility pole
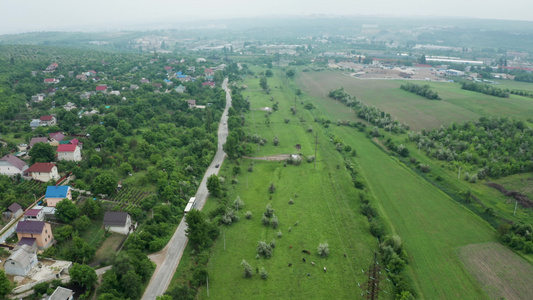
316,144
515,204
374,276
459,174
207,279
224,240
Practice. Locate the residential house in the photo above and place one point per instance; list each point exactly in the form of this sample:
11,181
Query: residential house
157,85
13,211
82,77
200,59
21,261
209,72
62,293
34,215
70,73
91,73
76,142
69,106
180,89
69,152
168,82
56,193
48,120
144,80
11,165
90,113
39,230
133,87
87,95
36,140
38,97
43,172
51,80
209,84
102,88
192,103
116,93
35,123
56,137
51,91
119,222
168,68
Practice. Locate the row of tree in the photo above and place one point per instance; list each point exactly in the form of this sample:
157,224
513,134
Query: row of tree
421,90
485,89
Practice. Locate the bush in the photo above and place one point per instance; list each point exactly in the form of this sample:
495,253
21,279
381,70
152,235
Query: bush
269,211
425,168
274,221
291,201
377,229
251,167
280,234
271,188
265,220
248,271
238,203
273,244
323,250
264,249
276,140
263,273
368,210
248,215
310,158
473,178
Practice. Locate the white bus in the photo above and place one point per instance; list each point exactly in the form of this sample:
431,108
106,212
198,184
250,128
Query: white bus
190,205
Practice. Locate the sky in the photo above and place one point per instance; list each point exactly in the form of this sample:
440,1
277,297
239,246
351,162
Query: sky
18,16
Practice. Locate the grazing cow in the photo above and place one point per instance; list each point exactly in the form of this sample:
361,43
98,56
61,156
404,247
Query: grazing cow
290,246
304,251
324,269
303,259
290,264
344,254
308,274
313,263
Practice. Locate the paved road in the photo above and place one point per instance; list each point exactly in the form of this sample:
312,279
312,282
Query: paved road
174,249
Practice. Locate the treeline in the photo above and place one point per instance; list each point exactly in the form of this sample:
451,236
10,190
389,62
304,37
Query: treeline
517,236
421,90
371,114
524,77
492,147
485,89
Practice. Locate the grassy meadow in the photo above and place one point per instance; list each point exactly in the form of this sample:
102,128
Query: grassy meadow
325,209
457,105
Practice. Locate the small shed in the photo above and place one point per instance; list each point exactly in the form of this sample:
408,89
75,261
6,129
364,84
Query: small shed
62,293
13,211
116,221
34,215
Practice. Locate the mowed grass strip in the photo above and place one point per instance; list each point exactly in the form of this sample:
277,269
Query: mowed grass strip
431,224
504,274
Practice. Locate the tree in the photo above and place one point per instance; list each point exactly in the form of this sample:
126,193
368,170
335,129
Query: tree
104,183
213,185
197,229
42,152
5,285
95,160
132,284
264,249
124,127
290,73
268,73
83,275
82,223
80,251
263,273
423,59
66,211
91,208
125,169
263,83
323,250
248,271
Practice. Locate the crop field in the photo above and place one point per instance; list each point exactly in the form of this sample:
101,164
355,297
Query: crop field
325,209
129,197
457,105
503,274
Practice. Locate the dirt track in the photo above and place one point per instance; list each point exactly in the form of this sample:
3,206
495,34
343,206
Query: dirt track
278,157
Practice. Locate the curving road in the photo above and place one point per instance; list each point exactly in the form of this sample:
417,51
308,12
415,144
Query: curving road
173,251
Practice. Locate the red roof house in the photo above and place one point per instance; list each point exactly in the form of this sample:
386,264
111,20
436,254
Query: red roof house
209,72
101,88
168,68
43,172
51,80
211,84
69,152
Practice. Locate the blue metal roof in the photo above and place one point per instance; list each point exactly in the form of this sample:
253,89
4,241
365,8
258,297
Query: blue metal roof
57,191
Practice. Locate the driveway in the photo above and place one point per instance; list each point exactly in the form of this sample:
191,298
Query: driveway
167,260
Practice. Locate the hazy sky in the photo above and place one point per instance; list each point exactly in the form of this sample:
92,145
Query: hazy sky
41,15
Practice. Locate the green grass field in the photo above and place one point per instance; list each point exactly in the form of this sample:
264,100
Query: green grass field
457,105
325,208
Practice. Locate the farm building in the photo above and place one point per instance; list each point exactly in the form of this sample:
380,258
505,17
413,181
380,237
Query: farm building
23,259
54,194
119,222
